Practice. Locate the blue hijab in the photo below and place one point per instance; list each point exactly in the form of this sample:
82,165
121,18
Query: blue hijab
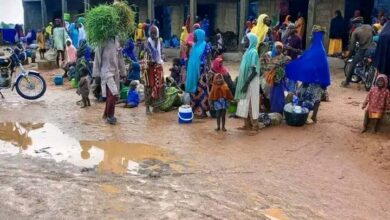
312,66
129,50
135,73
74,34
194,62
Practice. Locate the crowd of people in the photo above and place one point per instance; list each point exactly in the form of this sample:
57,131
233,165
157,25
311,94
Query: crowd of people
273,75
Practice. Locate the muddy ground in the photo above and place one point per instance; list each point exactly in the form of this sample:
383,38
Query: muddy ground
58,161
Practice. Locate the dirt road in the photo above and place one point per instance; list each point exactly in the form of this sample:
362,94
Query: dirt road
58,161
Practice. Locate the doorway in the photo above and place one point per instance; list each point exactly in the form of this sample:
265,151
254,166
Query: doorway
163,16
365,6
210,11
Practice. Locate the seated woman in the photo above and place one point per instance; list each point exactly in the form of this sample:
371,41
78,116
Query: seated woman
135,72
309,95
176,71
133,96
71,57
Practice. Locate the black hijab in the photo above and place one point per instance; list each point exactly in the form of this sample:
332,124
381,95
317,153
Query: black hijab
382,55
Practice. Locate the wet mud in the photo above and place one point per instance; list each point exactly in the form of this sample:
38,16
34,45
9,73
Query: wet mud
59,160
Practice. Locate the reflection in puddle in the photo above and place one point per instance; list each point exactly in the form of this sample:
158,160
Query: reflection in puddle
48,141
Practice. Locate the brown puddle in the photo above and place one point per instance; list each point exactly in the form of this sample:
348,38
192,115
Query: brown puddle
48,141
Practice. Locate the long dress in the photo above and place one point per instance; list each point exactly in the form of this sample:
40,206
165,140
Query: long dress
154,79
336,34
383,51
199,99
249,101
250,105
277,98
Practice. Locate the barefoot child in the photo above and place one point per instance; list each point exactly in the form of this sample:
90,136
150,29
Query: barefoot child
220,95
42,44
83,89
378,101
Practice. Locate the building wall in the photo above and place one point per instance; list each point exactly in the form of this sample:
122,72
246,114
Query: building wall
54,10
226,16
269,7
320,13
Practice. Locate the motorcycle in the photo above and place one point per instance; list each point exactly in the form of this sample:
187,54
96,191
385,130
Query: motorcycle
363,71
29,84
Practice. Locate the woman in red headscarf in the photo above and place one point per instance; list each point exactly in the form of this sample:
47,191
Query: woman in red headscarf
218,68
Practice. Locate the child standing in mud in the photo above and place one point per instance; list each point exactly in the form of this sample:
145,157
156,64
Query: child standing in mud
220,96
378,101
83,88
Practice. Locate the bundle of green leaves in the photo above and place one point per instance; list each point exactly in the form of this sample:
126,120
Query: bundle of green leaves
106,22
126,15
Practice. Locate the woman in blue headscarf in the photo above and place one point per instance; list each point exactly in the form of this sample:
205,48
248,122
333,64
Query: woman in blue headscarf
312,69
196,81
74,34
248,84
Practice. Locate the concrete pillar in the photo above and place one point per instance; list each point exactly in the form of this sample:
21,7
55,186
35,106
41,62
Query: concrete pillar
64,4
86,5
44,13
311,19
151,9
193,12
244,4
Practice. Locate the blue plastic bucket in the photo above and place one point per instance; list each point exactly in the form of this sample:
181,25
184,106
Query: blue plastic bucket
185,115
58,80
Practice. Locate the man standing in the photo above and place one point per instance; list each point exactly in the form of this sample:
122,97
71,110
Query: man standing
109,66
59,37
362,35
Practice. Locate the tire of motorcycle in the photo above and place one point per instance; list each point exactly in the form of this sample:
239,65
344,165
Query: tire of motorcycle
355,78
28,97
370,78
